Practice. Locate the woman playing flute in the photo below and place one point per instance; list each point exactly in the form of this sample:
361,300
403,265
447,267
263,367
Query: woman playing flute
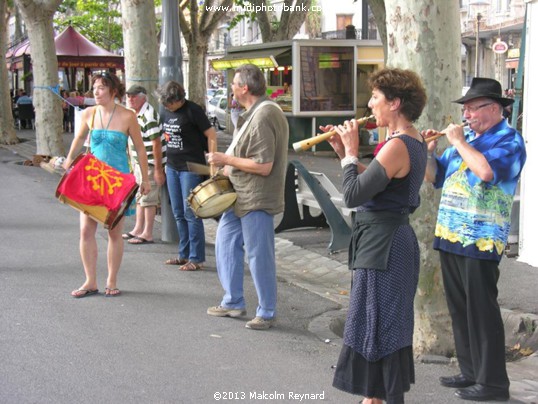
376,360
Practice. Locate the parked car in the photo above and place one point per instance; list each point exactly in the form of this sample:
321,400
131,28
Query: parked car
221,91
210,94
217,115
211,104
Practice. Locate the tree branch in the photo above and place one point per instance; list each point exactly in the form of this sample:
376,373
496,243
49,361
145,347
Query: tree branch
263,22
184,24
288,29
215,17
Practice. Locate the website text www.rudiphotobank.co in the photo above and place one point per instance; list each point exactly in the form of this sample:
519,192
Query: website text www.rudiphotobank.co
251,8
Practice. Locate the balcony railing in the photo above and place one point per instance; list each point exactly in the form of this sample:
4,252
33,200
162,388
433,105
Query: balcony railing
469,26
344,34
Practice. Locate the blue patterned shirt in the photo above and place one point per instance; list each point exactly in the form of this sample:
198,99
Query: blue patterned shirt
474,216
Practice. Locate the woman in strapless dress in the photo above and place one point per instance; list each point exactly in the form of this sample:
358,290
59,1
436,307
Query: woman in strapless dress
108,125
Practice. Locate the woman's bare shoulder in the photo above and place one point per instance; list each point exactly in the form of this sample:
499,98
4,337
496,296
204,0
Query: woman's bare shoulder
393,156
88,114
89,111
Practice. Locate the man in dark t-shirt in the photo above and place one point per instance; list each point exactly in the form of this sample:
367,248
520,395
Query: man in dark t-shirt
187,131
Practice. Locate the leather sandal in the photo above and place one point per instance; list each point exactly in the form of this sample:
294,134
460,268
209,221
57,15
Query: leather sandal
176,261
190,266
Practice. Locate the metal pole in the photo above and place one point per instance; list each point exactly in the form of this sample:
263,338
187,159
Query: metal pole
225,73
476,66
519,74
226,43
170,57
170,60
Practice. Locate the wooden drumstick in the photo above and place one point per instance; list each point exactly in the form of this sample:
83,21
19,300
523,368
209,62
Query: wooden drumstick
213,169
199,169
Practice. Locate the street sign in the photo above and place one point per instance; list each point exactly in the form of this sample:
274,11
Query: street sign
499,46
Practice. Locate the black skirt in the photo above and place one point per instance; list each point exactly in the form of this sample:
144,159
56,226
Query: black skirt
388,378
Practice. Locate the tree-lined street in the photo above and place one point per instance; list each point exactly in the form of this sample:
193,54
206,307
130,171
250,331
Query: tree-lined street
155,343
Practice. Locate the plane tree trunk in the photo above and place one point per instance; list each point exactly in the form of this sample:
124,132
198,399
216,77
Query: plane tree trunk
37,16
141,49
7,129
424,36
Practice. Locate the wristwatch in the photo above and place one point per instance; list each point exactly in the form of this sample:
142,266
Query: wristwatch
349,160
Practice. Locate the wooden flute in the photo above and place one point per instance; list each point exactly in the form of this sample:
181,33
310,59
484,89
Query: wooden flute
437,135
308,143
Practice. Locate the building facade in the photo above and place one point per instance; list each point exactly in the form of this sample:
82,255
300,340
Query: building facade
328,22
528,237
491,32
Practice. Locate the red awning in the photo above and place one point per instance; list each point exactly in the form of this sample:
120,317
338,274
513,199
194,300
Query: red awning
73,50
71,43
23,48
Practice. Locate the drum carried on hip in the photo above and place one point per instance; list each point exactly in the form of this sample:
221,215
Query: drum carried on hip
212,197
97,190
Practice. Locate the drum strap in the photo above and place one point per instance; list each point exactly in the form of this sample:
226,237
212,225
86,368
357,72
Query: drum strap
87,143
236,138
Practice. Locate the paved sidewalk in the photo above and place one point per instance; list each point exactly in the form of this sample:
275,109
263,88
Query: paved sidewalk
329,277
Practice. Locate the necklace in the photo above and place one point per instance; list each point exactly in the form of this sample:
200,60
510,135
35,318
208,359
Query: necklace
109,119
398,131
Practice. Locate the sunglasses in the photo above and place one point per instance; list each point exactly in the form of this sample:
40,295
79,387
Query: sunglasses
105,75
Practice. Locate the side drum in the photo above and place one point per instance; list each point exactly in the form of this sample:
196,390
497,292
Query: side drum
212,197
97,190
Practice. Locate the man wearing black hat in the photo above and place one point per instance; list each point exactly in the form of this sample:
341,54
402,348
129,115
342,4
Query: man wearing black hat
478,174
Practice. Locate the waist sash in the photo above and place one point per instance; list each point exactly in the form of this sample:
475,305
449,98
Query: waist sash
372,237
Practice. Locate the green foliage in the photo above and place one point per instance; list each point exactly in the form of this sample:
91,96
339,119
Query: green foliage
247,15
271,27
98,20
27,76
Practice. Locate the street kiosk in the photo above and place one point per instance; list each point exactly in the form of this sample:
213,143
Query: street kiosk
316,82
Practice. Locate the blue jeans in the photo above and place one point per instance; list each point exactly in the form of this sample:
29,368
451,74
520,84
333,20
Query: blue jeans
254,231
189,227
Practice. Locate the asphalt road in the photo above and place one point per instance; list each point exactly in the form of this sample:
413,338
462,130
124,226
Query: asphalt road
154,343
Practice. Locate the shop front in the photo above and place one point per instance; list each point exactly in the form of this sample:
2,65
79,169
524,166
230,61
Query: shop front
316,82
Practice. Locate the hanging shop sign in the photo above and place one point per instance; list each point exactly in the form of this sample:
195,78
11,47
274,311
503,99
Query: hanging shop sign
499,46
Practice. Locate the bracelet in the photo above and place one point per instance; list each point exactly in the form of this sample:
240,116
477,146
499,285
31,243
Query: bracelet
431,156
349,160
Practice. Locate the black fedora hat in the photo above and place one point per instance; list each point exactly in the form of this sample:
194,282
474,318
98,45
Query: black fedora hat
488,88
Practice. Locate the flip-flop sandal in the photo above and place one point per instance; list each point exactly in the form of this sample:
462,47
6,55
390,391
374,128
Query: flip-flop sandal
85,292
112,292
140,240
127,236
190,266
176,261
